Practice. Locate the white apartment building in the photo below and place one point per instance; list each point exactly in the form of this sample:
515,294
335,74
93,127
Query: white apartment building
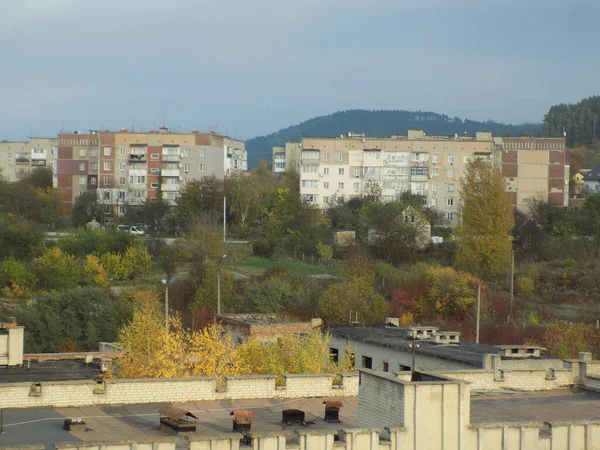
347,166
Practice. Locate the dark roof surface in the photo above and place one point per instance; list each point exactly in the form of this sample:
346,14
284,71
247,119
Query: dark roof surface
60,370
397,338
593,175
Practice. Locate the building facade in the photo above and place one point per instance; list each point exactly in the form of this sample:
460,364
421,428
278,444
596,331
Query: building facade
127,168
349,166
286,159
17,159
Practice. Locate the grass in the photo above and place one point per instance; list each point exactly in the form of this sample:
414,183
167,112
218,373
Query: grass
257,266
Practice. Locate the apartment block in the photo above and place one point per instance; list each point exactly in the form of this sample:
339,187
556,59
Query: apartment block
287,158
17,159
129,167
349,166
75,168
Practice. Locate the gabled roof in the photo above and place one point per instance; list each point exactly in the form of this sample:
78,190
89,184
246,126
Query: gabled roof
593,175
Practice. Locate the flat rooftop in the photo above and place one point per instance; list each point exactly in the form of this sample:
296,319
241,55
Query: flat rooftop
397,338
141,421
58,370
129,422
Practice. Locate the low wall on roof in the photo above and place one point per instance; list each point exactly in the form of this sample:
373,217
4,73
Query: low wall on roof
152,390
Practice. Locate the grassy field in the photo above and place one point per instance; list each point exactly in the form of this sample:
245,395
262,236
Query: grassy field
256,266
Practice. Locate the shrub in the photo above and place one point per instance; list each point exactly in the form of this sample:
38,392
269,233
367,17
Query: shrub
57,270
569,263
262,248
525,285
136,262
16,277
113,265
95,272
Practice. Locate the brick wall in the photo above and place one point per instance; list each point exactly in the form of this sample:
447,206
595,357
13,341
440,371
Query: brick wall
82,393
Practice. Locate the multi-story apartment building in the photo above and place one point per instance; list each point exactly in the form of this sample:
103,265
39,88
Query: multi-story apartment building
350,165
286,158
130,167
75,168
17,159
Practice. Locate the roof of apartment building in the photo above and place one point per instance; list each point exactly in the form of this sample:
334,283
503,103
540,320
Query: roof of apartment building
593,174
393,337
55,370
261,319
139,422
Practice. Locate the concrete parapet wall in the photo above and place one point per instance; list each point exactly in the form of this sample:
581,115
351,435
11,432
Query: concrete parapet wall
140,444
152,390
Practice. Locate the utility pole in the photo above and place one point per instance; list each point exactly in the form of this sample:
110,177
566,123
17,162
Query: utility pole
512,281
219,284
478,313
166,281
224,219
414,347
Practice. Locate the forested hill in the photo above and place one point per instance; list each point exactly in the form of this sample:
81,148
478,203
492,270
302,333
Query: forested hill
580,121
378,123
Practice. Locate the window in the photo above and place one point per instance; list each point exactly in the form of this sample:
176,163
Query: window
122,166
340,185
435,159
450,201
154,155
93,181
326,157
451,159
434,187
310,169
201,168
372,155
93,152
334,354
357,157
107,210
121,195
107,151
139,194
81,193
186,167
121,210
186,152
450,173
141,179
82,152
122,180
121,151
340,157
309,183
435,172
418,171
340,171
201,152
356,172
82,166
310,154
449,216
326,199
106,195
106,181
386,366
326,185
326,171
367,362
356,186
450,188
154,185
82,180
94,167
106,165
434,201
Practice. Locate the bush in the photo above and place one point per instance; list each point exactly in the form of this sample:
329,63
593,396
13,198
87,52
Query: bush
95,272
16,277
57,270
136,262
262,248
525,285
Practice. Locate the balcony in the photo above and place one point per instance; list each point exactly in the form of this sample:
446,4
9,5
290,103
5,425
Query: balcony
138,172
169,187
171,158
137,158
170,172
38,156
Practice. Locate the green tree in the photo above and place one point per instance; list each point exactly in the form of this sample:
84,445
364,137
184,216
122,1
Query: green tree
16,277
245,196
486,221
57,270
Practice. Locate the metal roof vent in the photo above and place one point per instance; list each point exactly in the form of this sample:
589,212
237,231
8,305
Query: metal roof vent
293,417
332,411
242,420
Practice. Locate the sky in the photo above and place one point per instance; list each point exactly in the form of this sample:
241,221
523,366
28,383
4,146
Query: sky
248,68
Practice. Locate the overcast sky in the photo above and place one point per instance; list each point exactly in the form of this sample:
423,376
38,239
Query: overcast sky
253,67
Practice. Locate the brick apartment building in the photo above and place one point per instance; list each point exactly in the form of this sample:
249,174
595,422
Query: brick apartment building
347,166
17,159
126,168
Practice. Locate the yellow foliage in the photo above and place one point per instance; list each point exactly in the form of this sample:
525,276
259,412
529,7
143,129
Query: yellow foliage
407,319
212,353
94,271
113,265
449,292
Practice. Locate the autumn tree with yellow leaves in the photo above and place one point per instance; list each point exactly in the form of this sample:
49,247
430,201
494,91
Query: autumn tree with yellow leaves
486,221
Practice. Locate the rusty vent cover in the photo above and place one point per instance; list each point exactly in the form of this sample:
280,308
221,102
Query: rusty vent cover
292,416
